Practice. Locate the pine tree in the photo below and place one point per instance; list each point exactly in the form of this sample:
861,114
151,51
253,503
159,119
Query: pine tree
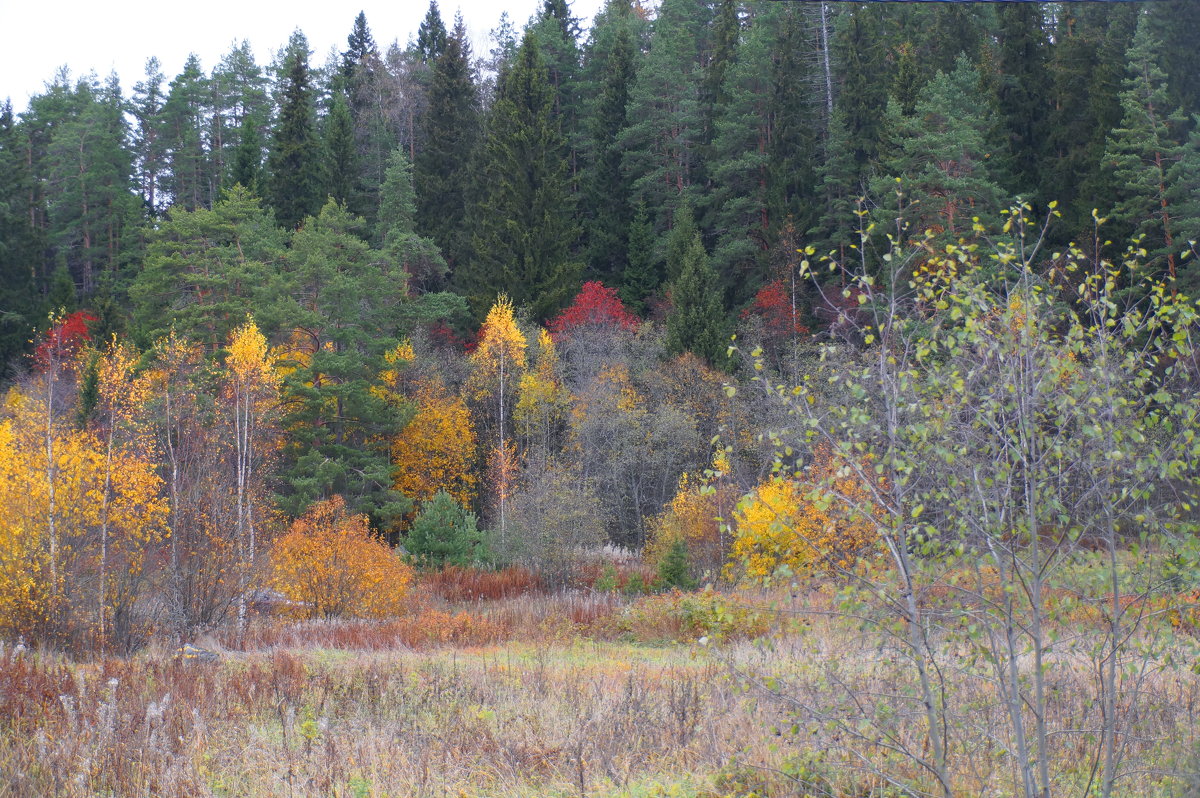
293,168
442,170
206,270
941,158
239,91
524,225
346,305
189,181
92,214
148,141
697,322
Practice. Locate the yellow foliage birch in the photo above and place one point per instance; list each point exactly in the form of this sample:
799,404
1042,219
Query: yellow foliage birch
253,388
436,449
93,506
541,399
499,361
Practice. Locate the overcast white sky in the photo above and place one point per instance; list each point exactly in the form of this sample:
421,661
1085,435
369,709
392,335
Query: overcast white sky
107,35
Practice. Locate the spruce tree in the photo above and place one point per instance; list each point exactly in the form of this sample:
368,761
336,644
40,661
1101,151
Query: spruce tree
737,208
940,32
1087,67
861,51
524,224
722,55
663,140
1174,23
908,79
442,170
369,92
444,533
642,276
293,166
341,158
1143,154
607,187
796,122
431,35
418,256
1023,93
679,242
360,47
673,568
557,34
20,306
246,169
697,321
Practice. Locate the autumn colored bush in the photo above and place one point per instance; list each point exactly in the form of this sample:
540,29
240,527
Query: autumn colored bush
595,305
812,522
334,566
67,336
692,517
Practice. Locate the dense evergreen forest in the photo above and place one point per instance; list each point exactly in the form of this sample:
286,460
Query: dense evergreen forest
460,291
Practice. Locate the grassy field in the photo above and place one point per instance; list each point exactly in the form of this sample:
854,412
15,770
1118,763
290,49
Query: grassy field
678,695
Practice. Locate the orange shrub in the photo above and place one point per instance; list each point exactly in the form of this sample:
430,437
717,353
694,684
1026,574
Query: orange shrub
331,563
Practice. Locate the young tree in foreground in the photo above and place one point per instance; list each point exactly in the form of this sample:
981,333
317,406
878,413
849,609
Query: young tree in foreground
1007,446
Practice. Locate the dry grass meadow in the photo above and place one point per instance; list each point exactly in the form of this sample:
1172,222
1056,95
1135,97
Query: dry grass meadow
709,694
